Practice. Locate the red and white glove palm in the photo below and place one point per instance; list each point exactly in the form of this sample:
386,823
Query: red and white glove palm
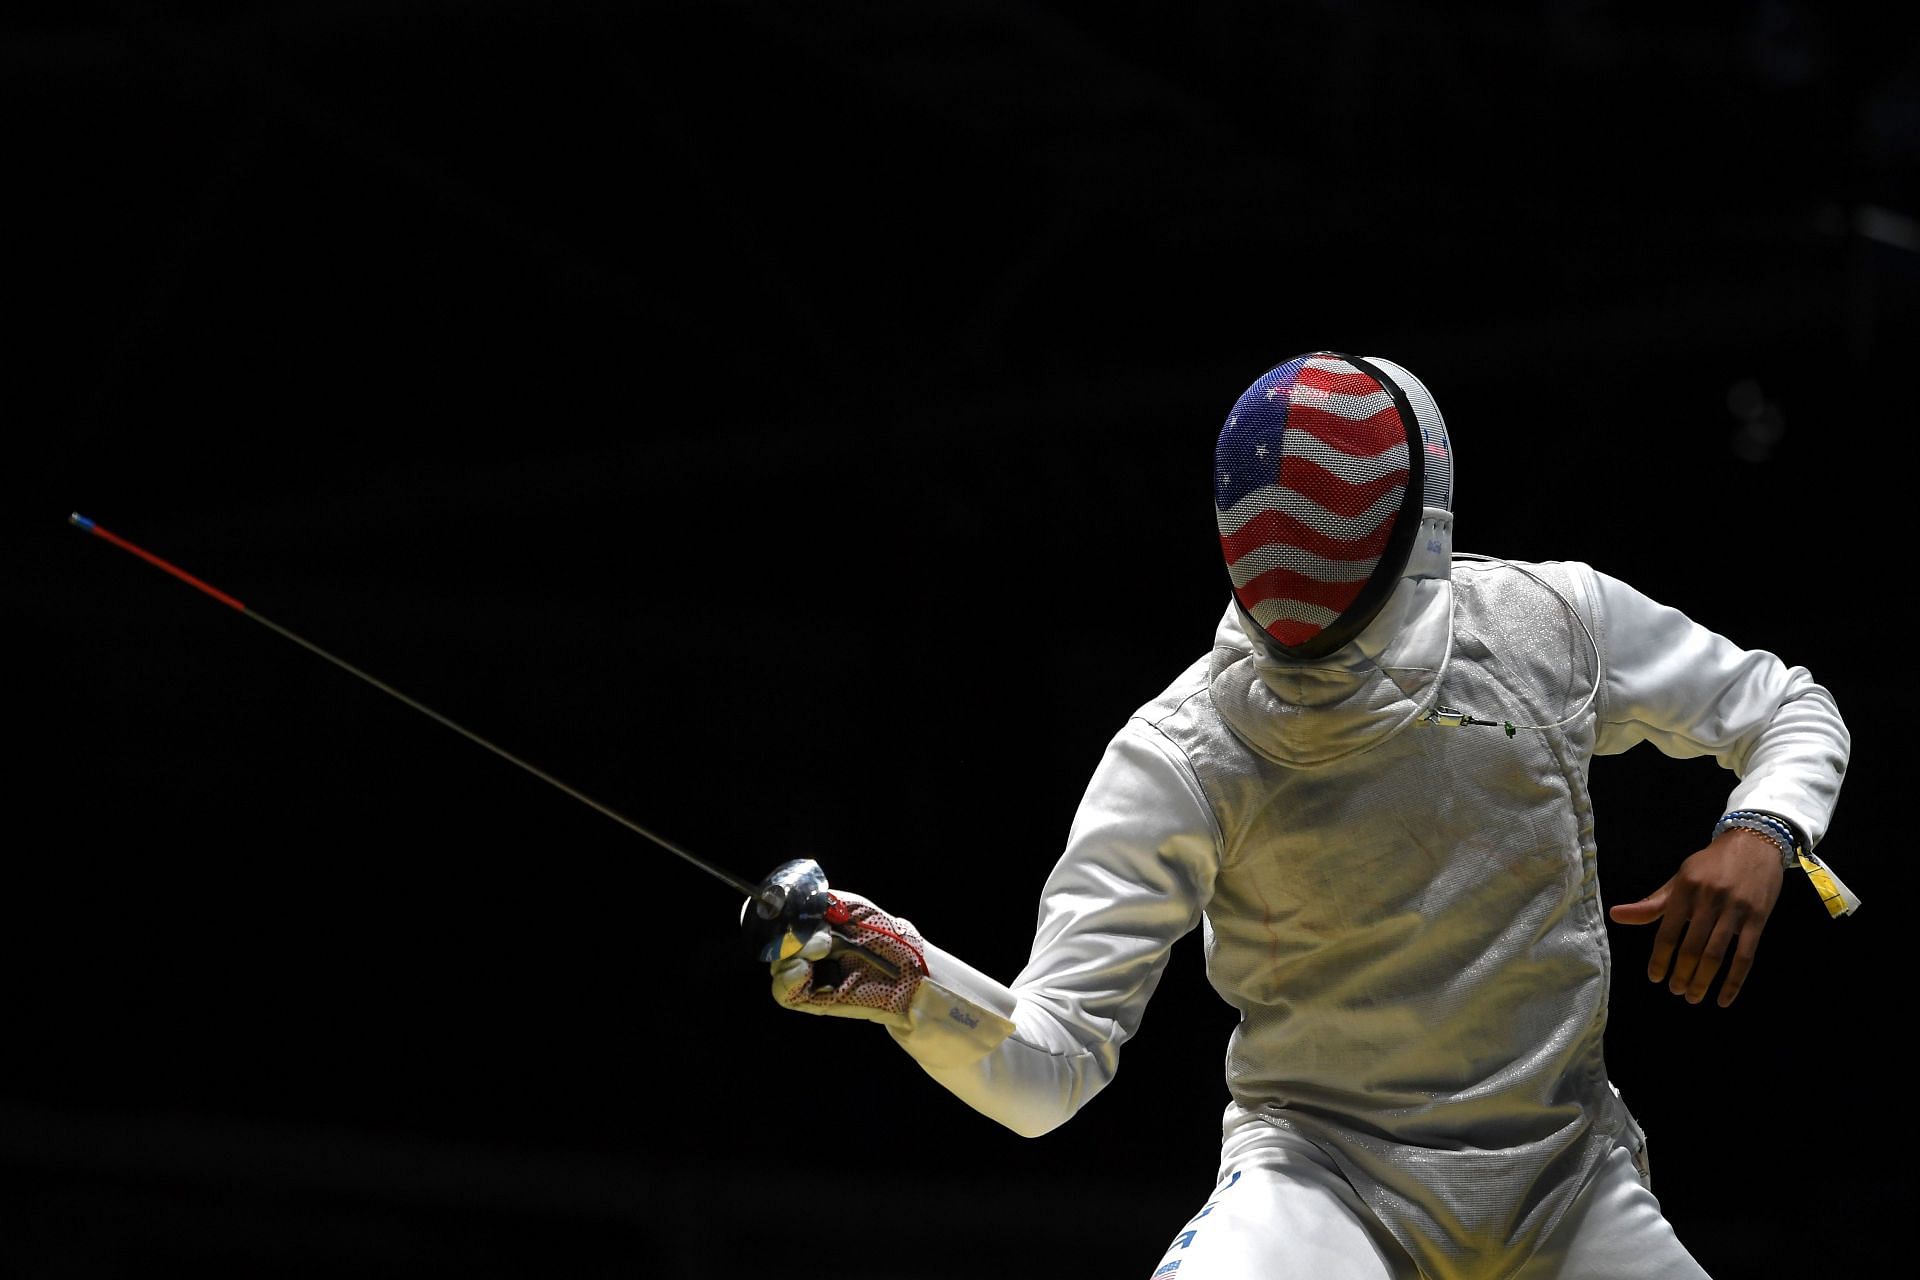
827,976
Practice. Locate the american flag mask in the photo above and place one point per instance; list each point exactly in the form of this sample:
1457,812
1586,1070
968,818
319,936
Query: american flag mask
1320,475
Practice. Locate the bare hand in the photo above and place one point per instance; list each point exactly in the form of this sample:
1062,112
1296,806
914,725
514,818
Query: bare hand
1718,902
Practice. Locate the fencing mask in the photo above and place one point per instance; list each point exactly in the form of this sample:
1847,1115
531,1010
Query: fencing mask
1320,476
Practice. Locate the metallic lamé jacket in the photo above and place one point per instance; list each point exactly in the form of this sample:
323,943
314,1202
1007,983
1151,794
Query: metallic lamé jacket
1407,916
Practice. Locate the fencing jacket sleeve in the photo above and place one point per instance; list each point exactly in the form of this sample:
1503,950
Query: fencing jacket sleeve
1136,873
1691,692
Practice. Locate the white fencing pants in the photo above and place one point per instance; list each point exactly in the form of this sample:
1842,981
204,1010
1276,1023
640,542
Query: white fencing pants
1282,1211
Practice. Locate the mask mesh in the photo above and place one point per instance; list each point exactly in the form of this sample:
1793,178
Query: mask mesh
1310,476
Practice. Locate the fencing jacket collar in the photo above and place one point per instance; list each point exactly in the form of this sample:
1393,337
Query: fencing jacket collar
1314,711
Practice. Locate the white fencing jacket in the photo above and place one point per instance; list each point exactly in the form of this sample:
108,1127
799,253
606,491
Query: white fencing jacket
1406,916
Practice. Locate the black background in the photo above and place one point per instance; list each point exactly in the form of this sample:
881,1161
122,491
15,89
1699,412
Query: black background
788,425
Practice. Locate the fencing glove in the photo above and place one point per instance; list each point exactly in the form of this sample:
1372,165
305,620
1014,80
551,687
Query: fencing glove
827,976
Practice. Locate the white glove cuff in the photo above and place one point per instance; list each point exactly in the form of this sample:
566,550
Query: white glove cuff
958,1014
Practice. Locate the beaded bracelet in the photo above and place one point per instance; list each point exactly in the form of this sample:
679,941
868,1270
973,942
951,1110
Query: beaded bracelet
1765,824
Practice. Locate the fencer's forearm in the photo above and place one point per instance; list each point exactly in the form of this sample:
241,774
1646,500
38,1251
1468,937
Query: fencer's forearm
1136,873
1011,1059
1797,763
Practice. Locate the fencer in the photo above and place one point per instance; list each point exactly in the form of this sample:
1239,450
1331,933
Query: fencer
1371,795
